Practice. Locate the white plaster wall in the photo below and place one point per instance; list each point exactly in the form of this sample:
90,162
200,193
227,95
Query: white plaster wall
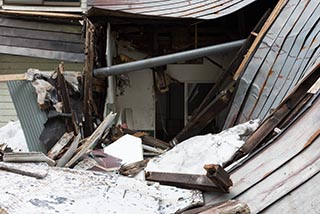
140,96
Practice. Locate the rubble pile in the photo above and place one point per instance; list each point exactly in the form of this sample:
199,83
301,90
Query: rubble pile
88,158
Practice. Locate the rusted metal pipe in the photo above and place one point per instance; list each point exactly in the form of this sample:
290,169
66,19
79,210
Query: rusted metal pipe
166,59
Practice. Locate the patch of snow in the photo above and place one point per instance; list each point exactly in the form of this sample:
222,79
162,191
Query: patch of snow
77,191
12,135
192,154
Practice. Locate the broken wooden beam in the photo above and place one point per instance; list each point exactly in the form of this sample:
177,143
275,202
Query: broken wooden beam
62,142
70,152
219,176
94,138
88,78
149,140
298,94
188,181
133,168
28,169
27,157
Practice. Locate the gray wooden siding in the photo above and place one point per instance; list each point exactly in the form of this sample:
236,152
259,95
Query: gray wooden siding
40,38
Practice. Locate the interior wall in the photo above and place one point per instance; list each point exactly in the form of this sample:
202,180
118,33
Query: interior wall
140,96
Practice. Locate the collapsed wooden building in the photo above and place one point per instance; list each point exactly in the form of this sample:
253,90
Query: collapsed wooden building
220,98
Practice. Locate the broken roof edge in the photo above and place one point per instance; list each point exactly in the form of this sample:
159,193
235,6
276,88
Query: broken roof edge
42,14
96,11
167,9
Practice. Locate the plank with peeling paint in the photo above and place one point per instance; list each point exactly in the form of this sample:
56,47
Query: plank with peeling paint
304,199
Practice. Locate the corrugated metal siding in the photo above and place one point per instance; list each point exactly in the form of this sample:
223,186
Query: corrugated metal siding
44,39
200,9
32,119
287,51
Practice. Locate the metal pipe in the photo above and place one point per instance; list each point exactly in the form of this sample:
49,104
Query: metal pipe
166,59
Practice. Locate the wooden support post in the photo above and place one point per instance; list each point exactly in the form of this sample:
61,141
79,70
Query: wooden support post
88,78
64,97
219,176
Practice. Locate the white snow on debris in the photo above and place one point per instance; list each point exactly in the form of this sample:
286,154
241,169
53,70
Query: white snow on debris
192,154
75,191
12,135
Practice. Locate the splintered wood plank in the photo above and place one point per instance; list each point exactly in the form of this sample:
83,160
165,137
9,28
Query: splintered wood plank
288,145
92,141
27,157
37,170
291,102
62,142
70,152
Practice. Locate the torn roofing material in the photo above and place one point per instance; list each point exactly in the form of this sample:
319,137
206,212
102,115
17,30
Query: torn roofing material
198,9
286,163
42,38
283,57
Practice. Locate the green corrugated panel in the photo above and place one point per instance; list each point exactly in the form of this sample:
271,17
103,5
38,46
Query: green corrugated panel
32,119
